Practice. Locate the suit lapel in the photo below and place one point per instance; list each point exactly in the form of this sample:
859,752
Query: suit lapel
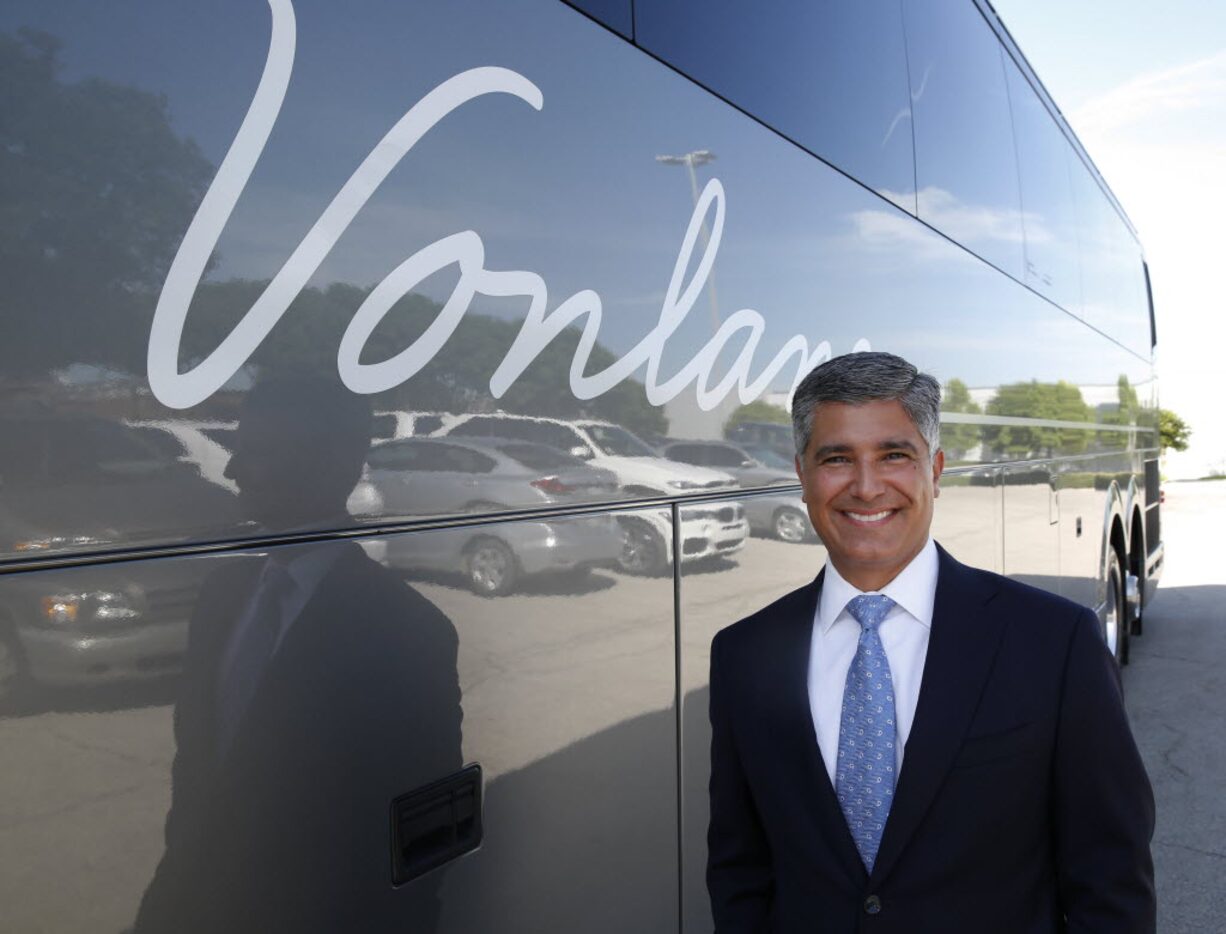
962,647
290,668
802,745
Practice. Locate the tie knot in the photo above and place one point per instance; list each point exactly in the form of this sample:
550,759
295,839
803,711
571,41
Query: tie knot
869,609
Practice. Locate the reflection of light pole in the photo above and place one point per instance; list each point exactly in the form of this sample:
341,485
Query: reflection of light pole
689,160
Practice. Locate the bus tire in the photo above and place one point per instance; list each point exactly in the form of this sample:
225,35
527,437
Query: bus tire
1115,617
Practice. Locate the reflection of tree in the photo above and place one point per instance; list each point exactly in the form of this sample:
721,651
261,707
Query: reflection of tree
758,411
1052,401
1125,412
95,192
455,380
1129,404
956,440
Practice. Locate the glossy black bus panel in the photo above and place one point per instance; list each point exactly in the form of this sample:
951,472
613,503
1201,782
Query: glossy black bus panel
393,404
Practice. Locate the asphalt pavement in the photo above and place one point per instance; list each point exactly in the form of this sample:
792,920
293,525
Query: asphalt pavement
1174,691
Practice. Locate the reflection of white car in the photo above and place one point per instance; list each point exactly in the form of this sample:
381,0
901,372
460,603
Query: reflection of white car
209,445
395,425
784,516
707,530
640,470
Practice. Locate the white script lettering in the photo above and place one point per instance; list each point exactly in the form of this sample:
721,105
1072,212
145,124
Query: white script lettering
464,250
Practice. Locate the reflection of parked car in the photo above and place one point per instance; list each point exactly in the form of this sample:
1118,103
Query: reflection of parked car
208,446
763,434
640,470
433,476
783,516
89,626
69,483
442,476
392,426
771,458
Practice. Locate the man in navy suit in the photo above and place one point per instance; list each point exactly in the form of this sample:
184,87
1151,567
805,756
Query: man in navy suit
908,744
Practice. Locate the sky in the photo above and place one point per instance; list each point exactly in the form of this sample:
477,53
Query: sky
1144,87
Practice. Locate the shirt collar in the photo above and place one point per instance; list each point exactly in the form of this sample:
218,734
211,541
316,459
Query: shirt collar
914,589
307,567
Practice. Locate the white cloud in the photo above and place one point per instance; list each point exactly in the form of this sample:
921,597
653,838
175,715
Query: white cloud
969,224
1160,141
1188,87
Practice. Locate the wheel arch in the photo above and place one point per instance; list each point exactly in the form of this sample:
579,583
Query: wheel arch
1114,536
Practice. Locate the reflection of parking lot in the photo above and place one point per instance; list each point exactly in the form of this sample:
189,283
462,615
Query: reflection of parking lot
540,669
562,658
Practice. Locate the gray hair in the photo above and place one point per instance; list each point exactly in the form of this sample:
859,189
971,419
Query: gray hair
870,376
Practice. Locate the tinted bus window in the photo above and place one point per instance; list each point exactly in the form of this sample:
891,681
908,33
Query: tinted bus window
965,162
1112,273
831,76
616,14
1048,215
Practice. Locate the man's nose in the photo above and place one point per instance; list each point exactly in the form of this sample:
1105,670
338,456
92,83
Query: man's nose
866,484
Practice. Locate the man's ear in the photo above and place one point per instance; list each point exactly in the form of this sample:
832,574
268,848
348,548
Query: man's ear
938,466
799,476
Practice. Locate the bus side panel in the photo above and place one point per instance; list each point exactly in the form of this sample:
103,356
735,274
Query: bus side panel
384,680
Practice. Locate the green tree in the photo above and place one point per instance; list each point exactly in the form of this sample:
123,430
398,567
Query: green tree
1060,402
957,439
95,193
758,411
1173,431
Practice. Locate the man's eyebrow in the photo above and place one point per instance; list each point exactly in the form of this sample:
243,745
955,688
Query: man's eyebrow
891,444
831,449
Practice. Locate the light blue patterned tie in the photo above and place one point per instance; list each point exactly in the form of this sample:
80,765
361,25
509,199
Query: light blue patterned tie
864,776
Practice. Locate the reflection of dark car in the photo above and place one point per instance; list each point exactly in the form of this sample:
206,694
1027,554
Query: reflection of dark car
437,476
763,434
98,624
68,484
771,458
783,516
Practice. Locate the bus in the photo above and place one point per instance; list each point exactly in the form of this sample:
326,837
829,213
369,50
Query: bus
345,584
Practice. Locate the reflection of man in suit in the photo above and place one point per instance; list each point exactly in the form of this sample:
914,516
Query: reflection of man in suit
909,744
317,688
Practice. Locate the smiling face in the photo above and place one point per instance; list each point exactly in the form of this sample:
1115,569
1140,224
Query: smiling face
869,485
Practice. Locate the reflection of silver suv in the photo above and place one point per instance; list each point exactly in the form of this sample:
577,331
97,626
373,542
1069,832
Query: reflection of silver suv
783,516
706,530
442,476
640,470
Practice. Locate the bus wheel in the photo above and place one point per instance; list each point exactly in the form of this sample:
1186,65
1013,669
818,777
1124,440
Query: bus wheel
1115,620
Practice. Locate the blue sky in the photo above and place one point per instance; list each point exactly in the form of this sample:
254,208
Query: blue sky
1144,87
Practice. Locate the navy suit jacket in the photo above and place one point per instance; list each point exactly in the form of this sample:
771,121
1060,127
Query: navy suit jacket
1022,804
290,831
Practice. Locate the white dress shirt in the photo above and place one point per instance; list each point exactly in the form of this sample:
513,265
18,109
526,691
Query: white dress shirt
904,636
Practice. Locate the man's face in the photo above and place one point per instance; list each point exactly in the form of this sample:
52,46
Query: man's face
869,484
